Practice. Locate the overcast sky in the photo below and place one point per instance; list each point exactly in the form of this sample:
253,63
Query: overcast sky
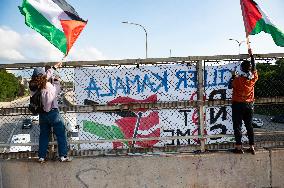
186,27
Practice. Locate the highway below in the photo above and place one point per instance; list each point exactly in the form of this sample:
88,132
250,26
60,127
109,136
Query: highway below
12,125
21,102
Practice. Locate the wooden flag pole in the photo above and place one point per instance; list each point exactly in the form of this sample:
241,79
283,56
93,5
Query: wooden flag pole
63,58
249,48
248,42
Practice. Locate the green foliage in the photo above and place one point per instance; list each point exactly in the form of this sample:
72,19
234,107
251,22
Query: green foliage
9,86
270,84
269,109
271,80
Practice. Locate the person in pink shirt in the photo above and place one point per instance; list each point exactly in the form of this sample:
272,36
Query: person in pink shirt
50,117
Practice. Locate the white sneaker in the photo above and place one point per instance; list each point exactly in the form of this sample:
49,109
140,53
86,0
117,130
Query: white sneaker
41,160
65,159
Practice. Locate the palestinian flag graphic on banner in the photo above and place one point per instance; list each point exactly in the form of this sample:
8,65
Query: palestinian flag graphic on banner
131,124
56,20
256,20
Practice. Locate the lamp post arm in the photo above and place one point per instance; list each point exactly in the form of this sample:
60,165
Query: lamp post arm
239,43
146,34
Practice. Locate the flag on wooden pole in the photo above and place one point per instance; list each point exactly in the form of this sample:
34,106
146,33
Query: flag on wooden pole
255,21
56,20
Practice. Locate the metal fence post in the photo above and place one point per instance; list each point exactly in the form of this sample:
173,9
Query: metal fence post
52,147
200,94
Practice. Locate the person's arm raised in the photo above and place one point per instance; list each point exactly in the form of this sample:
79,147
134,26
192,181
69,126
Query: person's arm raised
230,84
252,61
57,65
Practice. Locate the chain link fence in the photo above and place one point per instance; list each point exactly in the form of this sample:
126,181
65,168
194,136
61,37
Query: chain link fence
148,105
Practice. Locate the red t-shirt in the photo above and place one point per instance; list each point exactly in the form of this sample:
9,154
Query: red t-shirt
243,88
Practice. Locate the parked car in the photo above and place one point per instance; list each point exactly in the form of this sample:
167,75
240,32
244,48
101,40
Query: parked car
257,123
35,118
20,138
27,124
278,119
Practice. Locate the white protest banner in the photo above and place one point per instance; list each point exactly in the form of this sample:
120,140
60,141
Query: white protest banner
151,84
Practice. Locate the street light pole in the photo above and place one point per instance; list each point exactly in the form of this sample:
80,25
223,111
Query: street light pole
146,34
239,44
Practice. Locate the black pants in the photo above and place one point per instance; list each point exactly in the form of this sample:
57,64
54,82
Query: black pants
242,112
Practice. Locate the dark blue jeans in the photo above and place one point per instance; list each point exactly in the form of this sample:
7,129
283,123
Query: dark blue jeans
46,121
242,112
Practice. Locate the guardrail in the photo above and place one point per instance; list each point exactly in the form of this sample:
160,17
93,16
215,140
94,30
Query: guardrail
199,105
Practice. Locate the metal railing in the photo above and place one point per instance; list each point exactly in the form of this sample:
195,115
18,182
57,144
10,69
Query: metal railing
176,121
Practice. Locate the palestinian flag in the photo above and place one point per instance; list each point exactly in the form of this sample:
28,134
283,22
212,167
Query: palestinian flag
56,20
256,20
130,124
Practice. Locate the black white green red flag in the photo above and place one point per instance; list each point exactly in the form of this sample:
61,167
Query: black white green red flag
56,20
256,20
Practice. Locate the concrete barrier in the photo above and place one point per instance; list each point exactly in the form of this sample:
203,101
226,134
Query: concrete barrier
220,169
277,168
1,185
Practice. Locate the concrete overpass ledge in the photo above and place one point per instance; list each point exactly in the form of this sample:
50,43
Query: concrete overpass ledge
221,169
1,184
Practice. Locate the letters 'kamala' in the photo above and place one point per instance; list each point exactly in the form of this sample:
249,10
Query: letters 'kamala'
56,20
256,20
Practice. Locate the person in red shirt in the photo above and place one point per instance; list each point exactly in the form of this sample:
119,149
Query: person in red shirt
243,101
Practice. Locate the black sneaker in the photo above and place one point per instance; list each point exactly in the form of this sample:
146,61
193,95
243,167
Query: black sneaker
238,151
251,150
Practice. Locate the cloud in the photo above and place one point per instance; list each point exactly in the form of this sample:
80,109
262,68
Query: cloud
11,55
9,49
32,47
86,54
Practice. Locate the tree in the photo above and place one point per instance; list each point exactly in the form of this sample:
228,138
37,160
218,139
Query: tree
271,80
270,84
9,86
